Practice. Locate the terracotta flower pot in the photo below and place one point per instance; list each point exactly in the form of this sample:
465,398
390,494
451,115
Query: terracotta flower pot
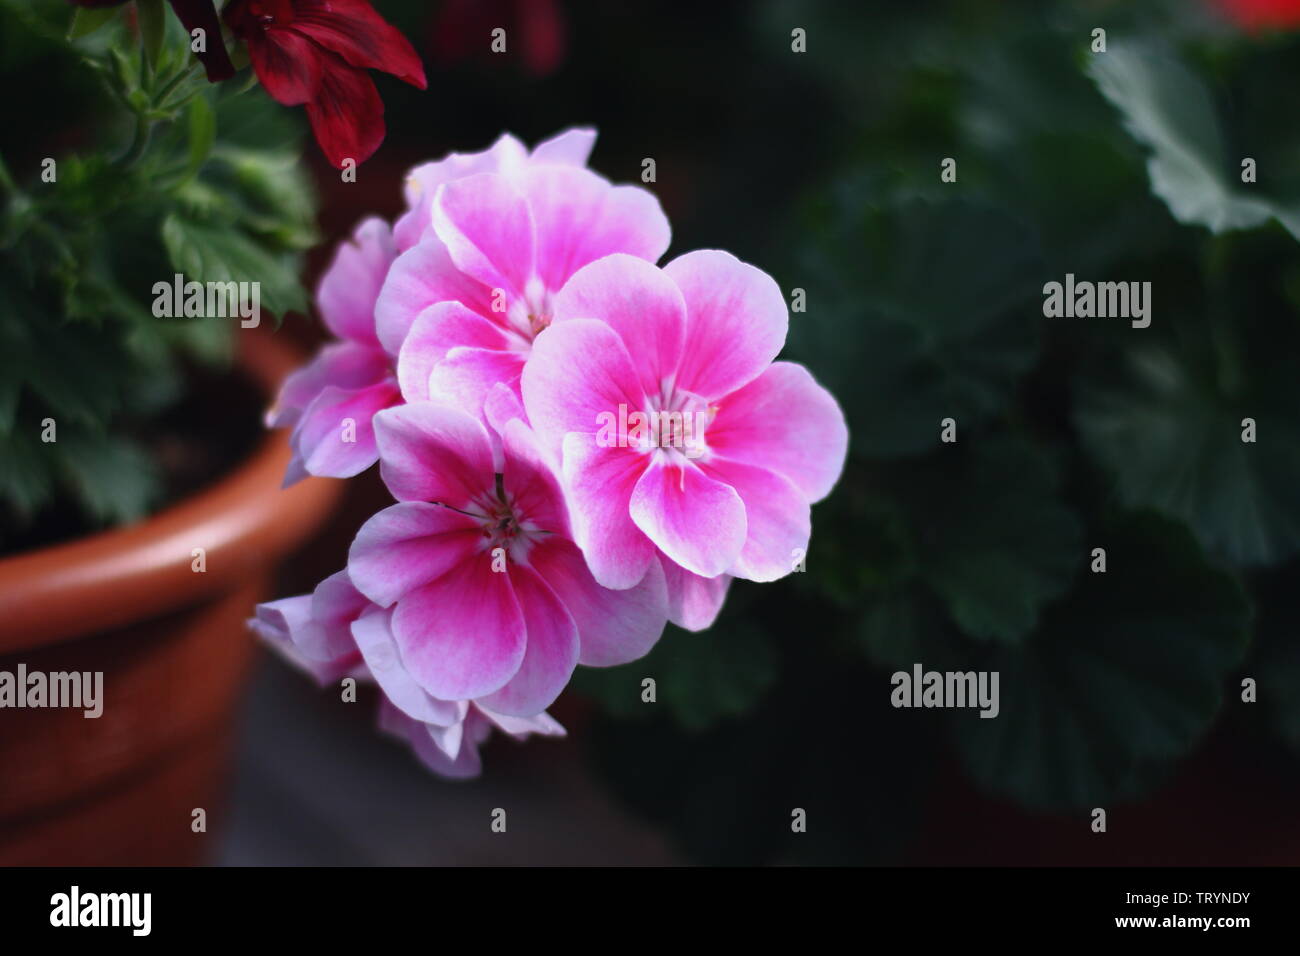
171,643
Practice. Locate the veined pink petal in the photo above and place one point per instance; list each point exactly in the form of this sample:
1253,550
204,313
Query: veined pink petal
614,627
599,482
347,365
777,517
288,628
785,422
693,601
462,636
430,452
437,330
335,436
639,302
578,374
420,277
488,230
580,217
551,652
530,481
694,520
408,545
569,148
350,286
373,634
736,321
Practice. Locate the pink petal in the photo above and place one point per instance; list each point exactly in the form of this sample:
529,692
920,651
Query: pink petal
580,217
614,627
464,764
348,289
694,520
531,482
430,452
421,277
288,628
437,330
736,321
570,148
373,634
408,545
521,727
503,405
463,635
693,601
550,656
346,365
488,230
639,302
599,483
466,376
777,517
321,437
784,421
578,374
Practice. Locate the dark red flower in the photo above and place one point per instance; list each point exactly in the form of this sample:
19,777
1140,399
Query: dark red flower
1261,14
463,28
195,15
316,52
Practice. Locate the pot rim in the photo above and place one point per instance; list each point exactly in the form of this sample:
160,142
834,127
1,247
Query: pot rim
112,578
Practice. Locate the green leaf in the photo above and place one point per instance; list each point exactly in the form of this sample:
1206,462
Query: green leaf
114,479
217,253
202,133
700,678
151,14
1121,679
1169,110
917,312
89,19
996,544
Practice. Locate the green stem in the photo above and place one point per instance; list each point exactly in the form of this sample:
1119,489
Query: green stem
139,143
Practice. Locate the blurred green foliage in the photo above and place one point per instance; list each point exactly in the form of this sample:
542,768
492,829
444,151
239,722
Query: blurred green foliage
155,173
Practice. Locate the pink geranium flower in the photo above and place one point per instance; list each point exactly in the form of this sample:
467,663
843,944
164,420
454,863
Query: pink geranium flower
337,632
331,401
464,304
725,487
492,601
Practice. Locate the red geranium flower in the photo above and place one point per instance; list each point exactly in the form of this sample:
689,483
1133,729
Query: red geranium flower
1258,14
195,15
316,52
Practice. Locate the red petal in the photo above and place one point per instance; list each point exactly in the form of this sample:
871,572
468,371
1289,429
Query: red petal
347,114
352,29
290,66
202,15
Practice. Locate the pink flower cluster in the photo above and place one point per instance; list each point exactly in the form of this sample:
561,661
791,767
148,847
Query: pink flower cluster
486,343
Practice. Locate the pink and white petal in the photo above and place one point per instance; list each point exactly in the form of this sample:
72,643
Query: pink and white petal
693,519
551,653
335,436
693,601
350,286
531,481
487,228
736,321
422,276
462,636
578,374
638,301
429,452
777,515
425,745
614,627
599,483
335,604
520,727
581,217
408,545
373,634
785,422
270,625
347,365
436,331
569,148
466,377
503,405
422,183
